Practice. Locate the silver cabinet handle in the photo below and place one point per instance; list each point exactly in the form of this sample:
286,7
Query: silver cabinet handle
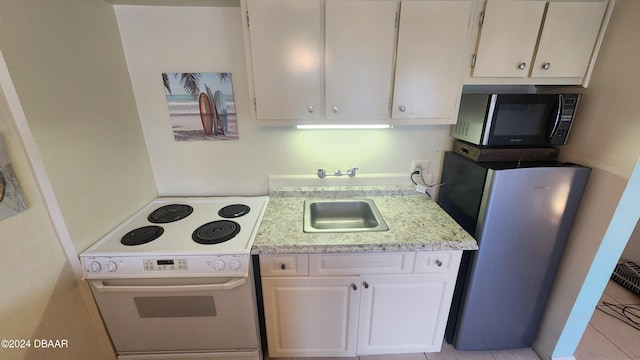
354,287
310,109
229,285
522,66
403,108
438,263
335,109
546,66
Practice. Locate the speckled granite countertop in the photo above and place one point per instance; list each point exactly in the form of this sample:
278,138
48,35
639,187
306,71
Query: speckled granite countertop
416,223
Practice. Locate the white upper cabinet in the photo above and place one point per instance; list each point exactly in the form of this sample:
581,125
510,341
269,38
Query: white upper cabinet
508,38
287,58
430,58
567,40
537,42
357,61
360,44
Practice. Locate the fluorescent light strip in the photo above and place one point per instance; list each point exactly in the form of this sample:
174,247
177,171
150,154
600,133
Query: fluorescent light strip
341,126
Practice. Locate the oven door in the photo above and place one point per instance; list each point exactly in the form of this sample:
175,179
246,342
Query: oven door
178,314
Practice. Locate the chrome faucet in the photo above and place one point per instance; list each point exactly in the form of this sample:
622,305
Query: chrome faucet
352,172
322,173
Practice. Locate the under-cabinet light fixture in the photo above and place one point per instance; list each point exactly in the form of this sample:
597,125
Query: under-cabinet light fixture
343,126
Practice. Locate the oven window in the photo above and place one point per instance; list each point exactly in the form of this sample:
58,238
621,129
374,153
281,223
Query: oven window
175,306
520,119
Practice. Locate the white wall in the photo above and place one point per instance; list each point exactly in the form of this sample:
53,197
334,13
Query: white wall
66,83
68,67
210,39
40,296
605,137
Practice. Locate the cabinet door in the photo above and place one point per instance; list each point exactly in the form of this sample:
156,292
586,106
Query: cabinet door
508,38
360,40
568,38
286,54
429,64
311,316
404,313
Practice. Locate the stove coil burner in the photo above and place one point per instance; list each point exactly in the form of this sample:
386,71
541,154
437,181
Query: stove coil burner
142,235
170,213
216,232
234,211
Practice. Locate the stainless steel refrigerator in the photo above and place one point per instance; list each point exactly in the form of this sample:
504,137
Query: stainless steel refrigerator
521,216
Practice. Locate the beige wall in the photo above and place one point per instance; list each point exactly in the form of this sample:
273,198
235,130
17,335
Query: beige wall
208,39
67,65
64,67
39,295
605,137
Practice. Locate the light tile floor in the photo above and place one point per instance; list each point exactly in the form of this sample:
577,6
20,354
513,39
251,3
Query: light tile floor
447,353
606,338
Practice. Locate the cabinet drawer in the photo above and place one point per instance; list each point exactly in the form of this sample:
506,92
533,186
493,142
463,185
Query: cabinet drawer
360,264
437,261
283,265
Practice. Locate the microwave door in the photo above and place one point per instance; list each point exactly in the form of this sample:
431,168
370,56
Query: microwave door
520,119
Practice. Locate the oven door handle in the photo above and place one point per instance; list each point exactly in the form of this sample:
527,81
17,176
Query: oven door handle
231,284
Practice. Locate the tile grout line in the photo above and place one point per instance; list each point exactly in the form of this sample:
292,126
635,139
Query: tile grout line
614,344
609,340
618,302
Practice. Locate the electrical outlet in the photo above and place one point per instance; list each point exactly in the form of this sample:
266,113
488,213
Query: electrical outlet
423,163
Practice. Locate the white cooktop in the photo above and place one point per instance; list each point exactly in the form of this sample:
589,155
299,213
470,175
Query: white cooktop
176,241
176,238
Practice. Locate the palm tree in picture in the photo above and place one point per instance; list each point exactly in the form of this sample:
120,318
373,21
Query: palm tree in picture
191,82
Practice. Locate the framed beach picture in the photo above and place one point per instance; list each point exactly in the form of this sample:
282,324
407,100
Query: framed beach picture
201,106
11,200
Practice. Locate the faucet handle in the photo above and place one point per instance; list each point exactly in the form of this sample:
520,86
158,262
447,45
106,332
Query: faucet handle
322,173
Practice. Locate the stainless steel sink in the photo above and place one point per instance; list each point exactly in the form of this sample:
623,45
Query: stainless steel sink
342,216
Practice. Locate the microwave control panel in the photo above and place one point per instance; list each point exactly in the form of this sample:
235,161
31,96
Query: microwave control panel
560,132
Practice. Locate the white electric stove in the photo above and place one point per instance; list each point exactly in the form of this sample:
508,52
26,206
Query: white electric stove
175,280
179,236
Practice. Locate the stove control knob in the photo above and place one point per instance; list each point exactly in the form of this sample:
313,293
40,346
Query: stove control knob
94,266
219,265
235,264
111,266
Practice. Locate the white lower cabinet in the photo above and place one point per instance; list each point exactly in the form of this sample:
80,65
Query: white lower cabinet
400,308
311,316
403,313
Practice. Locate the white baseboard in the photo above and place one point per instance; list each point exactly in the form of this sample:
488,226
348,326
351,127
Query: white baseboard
563,358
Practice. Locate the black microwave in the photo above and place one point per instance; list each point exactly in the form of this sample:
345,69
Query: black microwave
515,119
